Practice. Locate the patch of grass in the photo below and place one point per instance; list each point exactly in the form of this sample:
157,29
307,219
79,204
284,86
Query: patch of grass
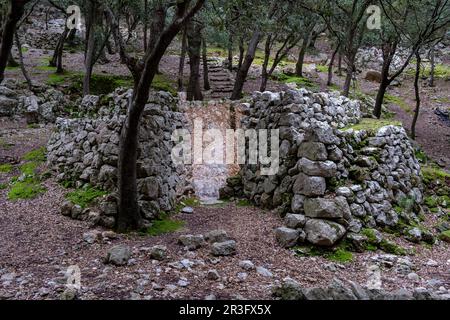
33,126
432,174
441,71
29,168
85,196
38,155
322,68
299,81
6,168
164,225
188,202
444,100
445,236
23,190
391,99
3,186
47,68
392,248
244,203
421,156
340,255
57,79
12,68
372,124
162,83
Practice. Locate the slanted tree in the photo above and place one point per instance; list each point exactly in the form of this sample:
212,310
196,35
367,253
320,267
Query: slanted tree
143,71
15,13
194,31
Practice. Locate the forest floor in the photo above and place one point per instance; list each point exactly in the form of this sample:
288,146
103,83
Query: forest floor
38,244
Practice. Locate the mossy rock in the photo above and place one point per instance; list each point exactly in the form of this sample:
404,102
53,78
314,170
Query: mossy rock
445,236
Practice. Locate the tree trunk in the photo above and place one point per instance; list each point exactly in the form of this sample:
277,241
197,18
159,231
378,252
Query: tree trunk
340,65
59,58
264,73
417,92
330,67
300,61
157,26
230,52
194,91
182,61
59,48
9,28
145,24
128,216
433,67
90,46
12,63
243,70
206,84
384,84
348,81
241,53
22,64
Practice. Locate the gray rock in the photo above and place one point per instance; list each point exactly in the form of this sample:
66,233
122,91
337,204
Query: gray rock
315,151
213,275
295,221
225,248
289,290
264,272
192,242
118,255
297,203
325,169
287,237
323,232
158,252
217,236
327,208
309,186
247,265
187,210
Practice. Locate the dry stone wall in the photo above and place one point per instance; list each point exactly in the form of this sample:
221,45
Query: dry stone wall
85,151
332,179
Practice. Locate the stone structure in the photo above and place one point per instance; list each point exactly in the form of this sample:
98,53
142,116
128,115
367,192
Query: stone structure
331,181
85,151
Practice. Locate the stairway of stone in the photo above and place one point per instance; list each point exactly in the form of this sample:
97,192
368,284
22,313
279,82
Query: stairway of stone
221,81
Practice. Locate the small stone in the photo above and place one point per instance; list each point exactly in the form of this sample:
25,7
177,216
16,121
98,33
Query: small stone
187,210
92,236
264,272
242,276
226,248
247,265
192,242
118,255
69,294
213,275
158,252
413,277
216,236
432,263
287,237
183,282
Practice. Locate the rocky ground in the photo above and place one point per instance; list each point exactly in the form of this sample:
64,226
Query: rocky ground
39,245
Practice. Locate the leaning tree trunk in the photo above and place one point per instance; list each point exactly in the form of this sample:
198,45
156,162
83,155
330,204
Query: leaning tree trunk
241,53
59,48
417,92
301,60
194,91
90,47
182,61
9,28
246,64
128,216
22,64
384,84
349,74
206,84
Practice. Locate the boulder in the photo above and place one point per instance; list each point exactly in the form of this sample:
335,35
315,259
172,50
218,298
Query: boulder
323,232
372,75
225,248
295,221
309,186
192,242
118,255
287,237
327,208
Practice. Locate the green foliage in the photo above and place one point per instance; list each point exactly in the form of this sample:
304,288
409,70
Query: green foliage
299,81
322,68
244,203
100,84
164,225
85,196
28,189
372,125
6,168
38,155
162,83
390,247
390,99
445,236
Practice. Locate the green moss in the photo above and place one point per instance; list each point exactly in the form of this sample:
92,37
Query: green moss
29,168
445,236
299,81
47,68
244,203
38,155
372,125
12,68
6,168
322,68
371,247
370,234
340,255
392,248
57,79
163,226
162,83
85,196
25,190
390,99
432,174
